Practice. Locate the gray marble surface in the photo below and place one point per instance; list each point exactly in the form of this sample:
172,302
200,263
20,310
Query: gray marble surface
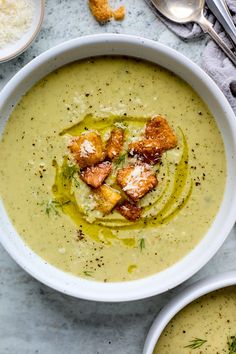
35,318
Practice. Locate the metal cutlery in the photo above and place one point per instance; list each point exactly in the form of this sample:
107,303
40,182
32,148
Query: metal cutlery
183,11
221,11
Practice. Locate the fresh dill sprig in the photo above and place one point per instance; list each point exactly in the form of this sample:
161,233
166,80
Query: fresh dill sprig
54,205
196,343
88,273
121,125
231,341
121,159
69,171
142,244
76,182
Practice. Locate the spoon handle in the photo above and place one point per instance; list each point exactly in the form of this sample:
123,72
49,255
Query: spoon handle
221,12
208,28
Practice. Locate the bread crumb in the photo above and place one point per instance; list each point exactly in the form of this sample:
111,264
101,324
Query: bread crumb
119,14
102,11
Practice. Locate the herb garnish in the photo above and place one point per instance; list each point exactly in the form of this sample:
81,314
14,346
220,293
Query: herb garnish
121,159
142,244
196,343
53,205
76,182
88,273
231,344
69,172
121,125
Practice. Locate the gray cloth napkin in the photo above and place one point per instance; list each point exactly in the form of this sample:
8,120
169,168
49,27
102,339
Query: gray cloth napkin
214,62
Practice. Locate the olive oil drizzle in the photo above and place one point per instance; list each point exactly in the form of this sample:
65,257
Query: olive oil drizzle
168,211
65,196
91,122
104,229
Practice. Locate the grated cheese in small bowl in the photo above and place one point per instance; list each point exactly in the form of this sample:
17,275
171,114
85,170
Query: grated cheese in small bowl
20,22
15,19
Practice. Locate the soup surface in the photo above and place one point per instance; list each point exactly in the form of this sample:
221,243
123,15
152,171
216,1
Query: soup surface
54,210
208,325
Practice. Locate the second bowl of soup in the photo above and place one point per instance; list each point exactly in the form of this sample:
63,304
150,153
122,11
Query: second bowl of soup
199,320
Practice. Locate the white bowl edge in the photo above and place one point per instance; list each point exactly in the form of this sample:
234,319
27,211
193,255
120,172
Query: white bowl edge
184,298
108,44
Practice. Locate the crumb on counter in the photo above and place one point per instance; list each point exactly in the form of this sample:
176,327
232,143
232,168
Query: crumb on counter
102,11
119,14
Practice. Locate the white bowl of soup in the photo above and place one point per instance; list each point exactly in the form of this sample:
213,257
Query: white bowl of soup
77,223
199,319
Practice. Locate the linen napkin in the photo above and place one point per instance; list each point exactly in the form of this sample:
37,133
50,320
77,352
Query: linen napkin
214,61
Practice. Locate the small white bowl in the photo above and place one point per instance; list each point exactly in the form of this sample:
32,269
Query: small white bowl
14,49
198,289
112,44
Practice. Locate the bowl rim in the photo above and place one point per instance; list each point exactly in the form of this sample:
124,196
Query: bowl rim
129,290
181,300
20,50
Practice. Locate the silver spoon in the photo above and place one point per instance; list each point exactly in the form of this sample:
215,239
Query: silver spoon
184,11
221,12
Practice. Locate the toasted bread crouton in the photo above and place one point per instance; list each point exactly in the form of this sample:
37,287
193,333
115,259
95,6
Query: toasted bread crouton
102,11
159,138
148,150
130,211
106,198
159,130
96,175
87,149
136,180
115,143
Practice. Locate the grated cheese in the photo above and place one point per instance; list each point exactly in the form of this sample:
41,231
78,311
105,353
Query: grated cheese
137,176
86,148
15,19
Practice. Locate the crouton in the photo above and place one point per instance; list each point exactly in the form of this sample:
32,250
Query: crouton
159,137
87,149
148,150
136,180
106,198
96,175
115,143
159,130
130,211
102,11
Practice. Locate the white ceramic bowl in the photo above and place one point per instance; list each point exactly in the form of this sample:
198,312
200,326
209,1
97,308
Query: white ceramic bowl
14,49
141,48
187,296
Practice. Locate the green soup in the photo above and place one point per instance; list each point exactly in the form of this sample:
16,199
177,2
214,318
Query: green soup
208,325
51,207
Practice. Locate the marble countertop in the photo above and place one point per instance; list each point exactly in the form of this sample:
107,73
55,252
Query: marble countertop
37,319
